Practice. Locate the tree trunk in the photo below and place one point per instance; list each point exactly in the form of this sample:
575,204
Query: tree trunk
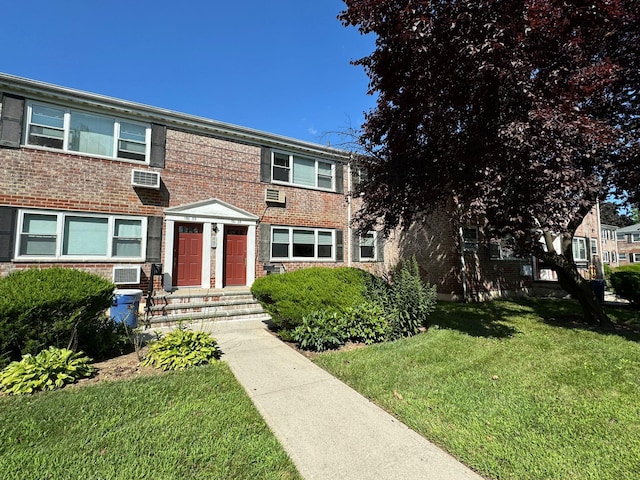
575,285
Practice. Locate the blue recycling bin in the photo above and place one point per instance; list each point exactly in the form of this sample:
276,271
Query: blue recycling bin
124,307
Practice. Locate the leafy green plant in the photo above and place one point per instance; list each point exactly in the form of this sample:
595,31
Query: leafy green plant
48,370
367,322
54,306
182,348
288,297
625,282
406,299
321,330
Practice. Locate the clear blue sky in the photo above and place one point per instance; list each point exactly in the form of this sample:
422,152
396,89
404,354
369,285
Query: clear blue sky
281,66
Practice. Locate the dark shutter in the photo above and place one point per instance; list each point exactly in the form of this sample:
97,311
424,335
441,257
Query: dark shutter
355,247
380,247
154,239
339,246
339,178
264,239
7,228
11,121
265,165
158,145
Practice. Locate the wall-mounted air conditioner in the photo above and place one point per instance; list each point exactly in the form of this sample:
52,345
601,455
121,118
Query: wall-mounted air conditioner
126,274
271,195
145,179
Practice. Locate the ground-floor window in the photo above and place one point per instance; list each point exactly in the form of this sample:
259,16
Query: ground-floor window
75,236
580,249
291,243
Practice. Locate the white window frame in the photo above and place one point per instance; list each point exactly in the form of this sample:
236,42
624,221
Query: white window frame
622,256
576,250
594,246
361,240
291,257
291,166
634,257
117,121
605,257
60,224
635,237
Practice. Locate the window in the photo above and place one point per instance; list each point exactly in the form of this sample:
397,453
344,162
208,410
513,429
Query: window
635,237
368,246
580,249
614,259
605,257
306,172
58,235
622,256
501,249
85,132
620,237
634,257
594,246
288,243
470,237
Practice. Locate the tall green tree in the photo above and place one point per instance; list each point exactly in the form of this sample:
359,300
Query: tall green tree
520,112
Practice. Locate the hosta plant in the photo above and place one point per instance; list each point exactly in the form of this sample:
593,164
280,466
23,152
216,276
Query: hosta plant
48,370
182,349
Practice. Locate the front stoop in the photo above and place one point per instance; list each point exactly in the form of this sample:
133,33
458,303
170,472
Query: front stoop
187,305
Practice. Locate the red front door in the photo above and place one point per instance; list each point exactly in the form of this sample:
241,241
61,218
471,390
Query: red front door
187,255
235,256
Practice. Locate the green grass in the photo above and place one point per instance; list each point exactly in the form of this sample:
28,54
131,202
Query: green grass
514,390
193,424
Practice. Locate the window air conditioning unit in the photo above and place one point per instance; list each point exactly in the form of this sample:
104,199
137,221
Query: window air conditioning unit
271,195
145,179
126,274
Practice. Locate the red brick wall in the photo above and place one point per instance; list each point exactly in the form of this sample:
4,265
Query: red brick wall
197,168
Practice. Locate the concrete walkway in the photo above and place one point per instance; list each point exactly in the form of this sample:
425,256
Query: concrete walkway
329,430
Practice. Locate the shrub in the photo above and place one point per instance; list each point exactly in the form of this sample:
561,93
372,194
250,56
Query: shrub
625,282
406,299
367,322
290,296
50,307
48,370
182,348
321,330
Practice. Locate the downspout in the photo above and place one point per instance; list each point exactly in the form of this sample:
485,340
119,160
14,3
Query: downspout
463,265
349,233
600,264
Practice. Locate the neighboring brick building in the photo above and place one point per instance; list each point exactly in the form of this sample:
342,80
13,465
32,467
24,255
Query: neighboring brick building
628,239
113,187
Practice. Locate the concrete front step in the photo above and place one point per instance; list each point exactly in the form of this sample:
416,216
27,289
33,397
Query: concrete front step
190,318
189,305
224,304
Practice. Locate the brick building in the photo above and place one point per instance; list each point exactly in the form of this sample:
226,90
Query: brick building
628,239
114,187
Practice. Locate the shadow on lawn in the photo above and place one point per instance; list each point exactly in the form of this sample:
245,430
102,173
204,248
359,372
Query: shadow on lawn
475,319
567,314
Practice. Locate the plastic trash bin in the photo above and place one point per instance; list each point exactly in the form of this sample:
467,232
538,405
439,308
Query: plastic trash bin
598,287
124,308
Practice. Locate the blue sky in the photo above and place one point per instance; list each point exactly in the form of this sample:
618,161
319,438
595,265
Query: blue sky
281,66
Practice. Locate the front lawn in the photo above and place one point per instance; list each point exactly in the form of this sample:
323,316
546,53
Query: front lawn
513,390
198,423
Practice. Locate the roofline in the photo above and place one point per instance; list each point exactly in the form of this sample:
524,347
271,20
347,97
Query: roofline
34,88
630,228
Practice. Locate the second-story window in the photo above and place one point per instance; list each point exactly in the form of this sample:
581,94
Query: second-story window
86,132
302,171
